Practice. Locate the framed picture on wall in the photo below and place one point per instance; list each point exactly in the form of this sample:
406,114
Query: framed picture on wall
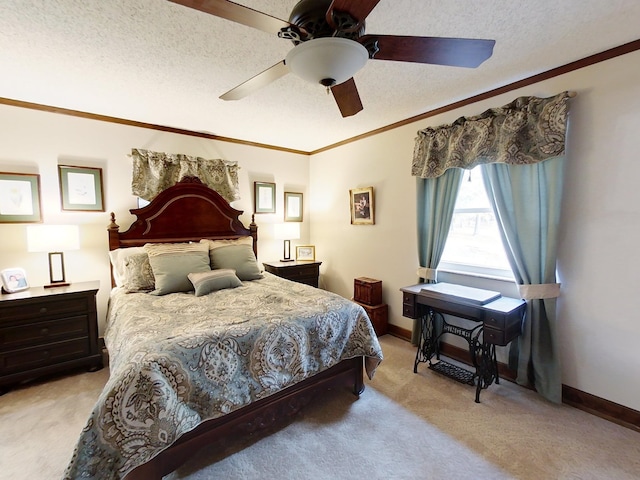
20,198
362,208
292,207
81,188
264,197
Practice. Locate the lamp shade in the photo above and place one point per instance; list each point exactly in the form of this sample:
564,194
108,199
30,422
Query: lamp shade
287,231
52,238
328,61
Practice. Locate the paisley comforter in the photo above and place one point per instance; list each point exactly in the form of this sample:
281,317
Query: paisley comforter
178,360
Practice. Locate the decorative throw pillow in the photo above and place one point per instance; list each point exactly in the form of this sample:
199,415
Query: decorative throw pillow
207,282
239,258
118,259
173,262
138,274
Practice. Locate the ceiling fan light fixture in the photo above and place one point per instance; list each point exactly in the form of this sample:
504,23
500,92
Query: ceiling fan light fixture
328,61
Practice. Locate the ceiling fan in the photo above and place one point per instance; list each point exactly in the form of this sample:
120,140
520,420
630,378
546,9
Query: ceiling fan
331,46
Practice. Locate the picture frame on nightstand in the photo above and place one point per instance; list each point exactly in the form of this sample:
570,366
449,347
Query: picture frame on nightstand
305,253
14,280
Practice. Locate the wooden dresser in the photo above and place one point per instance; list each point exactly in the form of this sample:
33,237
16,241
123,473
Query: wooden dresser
48,330
301,272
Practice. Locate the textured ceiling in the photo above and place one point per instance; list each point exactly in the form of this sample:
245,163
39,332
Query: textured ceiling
157,62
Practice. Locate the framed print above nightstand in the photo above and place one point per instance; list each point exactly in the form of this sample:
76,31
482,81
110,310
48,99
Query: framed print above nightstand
20,198
292,207
264,197
81,188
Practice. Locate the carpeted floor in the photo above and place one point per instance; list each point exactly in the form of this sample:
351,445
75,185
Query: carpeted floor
404,426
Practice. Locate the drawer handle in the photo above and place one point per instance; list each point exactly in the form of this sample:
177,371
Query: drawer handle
43,310
44,332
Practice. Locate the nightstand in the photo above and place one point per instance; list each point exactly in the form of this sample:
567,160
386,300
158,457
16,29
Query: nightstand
48,330
301,272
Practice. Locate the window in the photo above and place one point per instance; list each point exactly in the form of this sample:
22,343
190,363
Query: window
474,244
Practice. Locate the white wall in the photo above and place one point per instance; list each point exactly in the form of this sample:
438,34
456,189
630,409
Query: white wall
598,259
36,142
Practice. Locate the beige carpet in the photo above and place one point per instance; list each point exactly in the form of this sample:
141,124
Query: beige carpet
405,425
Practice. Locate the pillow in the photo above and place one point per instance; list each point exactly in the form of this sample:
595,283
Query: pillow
118,259
207,282
173,262
138,274
236,257
213,244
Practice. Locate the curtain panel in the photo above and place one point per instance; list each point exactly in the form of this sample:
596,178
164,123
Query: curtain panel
436,201
526,201
525,131
154,172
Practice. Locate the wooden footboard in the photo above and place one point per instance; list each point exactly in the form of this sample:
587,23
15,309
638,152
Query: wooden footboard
269,412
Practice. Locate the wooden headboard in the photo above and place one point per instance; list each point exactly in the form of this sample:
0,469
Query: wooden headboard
188,211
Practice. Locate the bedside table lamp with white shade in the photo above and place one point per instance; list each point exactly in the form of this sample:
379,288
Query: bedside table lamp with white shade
54,239
287,231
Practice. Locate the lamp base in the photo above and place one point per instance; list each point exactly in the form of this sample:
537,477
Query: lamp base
286,259
57,284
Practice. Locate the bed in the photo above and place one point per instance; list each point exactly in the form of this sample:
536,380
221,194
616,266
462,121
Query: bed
227,358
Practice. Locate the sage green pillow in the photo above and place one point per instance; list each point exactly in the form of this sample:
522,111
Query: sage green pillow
211,281
239,258
173,262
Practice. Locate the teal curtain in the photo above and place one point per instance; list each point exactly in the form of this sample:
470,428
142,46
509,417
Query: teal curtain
436,199
526,201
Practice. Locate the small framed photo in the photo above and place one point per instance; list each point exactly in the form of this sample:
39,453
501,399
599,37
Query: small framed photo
264,197
14,280
20,198
362,206
292,207
305,253
81,188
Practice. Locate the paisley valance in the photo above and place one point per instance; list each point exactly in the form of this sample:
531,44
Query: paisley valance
525,131
154,172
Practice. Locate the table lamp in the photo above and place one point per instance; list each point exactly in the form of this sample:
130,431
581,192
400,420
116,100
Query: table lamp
287,232
54,239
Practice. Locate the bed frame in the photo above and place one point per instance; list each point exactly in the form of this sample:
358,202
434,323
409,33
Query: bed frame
190,211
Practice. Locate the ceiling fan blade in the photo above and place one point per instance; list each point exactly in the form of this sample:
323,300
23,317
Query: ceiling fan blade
237,13
347,98
455,52
358,9
256,83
